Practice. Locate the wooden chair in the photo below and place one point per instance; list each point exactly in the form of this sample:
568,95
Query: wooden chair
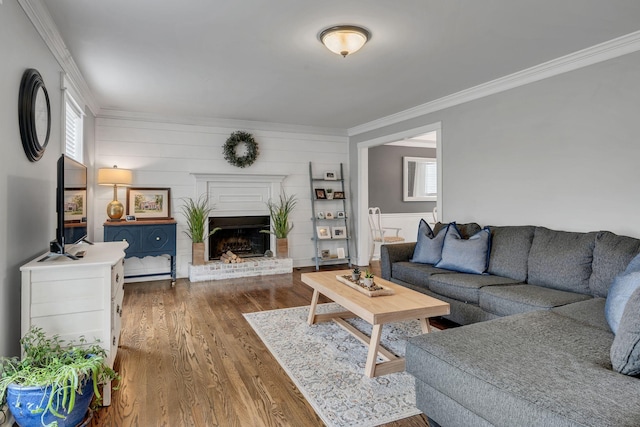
380,234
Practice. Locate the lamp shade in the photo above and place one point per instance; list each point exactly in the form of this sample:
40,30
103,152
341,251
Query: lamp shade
344,39
115,176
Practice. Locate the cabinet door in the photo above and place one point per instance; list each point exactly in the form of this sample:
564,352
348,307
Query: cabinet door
130,235
158,238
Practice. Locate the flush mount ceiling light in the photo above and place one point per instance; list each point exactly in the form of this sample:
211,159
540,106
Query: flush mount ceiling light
344,39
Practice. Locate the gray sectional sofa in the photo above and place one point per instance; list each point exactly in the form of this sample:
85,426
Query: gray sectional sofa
536,348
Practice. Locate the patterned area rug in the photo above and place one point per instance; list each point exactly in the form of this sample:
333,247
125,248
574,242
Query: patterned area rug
327,365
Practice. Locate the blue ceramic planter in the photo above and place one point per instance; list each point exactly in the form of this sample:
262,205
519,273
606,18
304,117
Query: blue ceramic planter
27,406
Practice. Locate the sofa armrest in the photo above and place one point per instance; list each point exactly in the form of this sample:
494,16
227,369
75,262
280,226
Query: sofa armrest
394,253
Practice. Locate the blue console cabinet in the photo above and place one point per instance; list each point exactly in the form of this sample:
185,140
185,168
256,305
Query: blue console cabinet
145,238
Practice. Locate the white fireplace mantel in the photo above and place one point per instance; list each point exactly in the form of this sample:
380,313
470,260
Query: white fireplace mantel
238,177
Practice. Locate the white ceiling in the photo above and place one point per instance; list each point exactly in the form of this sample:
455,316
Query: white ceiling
261,60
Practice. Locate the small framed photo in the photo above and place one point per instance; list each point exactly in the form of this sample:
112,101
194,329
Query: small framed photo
338,194
325,253
340,252
330,176
75,204
328,215
323,232
130,218
320,194
341,215
320,215
149,203
339,232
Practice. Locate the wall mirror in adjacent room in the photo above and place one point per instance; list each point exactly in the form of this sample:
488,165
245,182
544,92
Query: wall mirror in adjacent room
420,179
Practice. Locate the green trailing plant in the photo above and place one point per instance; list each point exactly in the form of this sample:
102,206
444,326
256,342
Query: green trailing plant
197,214
279,212
49,362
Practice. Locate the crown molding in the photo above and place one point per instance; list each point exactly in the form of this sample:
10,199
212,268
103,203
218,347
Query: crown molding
223,123
592,55
39,16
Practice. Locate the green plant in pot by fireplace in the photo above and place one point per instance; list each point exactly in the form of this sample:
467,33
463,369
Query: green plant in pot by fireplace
197,214
54,383
280,227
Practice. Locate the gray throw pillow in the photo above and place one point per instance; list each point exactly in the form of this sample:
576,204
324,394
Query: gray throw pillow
466,255
625,350
428,248
621,289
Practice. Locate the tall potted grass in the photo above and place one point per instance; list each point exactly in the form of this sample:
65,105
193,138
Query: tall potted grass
197,213
54,383
280,226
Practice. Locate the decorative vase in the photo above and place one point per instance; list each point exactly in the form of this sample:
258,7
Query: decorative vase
197,253
368,281
282,248
355,276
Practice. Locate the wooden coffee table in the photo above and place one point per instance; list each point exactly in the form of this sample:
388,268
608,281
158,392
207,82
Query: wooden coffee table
404,304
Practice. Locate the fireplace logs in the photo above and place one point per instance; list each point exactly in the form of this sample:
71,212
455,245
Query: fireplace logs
230,258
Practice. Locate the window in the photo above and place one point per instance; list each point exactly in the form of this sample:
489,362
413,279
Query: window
73,129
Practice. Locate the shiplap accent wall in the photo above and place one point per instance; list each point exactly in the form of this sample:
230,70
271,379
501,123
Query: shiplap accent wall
167,155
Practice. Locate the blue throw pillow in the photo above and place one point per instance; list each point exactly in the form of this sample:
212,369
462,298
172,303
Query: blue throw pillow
466,255
428,248
625,350
621,289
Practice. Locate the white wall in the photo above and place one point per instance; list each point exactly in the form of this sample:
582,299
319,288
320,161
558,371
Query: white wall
562,152
167,154
27,190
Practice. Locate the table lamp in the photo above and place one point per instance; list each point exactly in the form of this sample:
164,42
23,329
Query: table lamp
114,176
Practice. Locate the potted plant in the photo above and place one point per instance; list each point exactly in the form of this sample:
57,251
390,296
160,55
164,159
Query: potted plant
368,279
355,274
197,214
329,192
54,383
280,226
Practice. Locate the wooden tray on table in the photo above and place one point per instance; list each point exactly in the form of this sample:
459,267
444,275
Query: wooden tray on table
375,290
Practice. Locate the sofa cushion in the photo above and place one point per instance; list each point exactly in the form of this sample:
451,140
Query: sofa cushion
514,299
510,251
464,286
428,248
533,369
625,350
589,312
623,286
611,255
465,255
417,274
561,260
466,230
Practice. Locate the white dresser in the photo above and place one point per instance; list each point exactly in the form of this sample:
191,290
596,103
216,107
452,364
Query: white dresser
77,297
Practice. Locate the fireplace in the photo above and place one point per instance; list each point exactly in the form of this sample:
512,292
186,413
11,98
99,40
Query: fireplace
240,235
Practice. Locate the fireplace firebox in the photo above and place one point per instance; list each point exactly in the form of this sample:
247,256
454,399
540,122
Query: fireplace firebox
240,235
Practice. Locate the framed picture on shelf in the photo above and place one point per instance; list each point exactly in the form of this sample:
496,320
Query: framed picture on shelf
320,194
330,176
340,215
149,203
320,215
339,232
325,253
75,204
340,252
323,232
328,215
338,194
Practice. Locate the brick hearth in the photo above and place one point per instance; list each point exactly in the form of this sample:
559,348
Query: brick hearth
216,270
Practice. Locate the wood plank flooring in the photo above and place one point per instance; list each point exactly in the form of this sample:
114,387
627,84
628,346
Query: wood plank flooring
188,357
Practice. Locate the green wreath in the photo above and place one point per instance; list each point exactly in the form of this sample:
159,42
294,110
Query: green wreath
230,146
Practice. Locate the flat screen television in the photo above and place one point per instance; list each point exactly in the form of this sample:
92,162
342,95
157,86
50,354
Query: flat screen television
71,204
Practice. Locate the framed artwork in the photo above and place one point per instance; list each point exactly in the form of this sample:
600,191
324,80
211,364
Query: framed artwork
340,252
341,215
338,194
325,253
339,232
149,203
320,215
323,232
328,215
75,204
330,176
320,194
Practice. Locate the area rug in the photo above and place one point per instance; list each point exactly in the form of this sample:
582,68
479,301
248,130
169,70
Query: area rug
327,365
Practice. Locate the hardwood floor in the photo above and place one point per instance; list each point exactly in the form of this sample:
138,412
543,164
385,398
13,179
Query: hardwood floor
188,358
